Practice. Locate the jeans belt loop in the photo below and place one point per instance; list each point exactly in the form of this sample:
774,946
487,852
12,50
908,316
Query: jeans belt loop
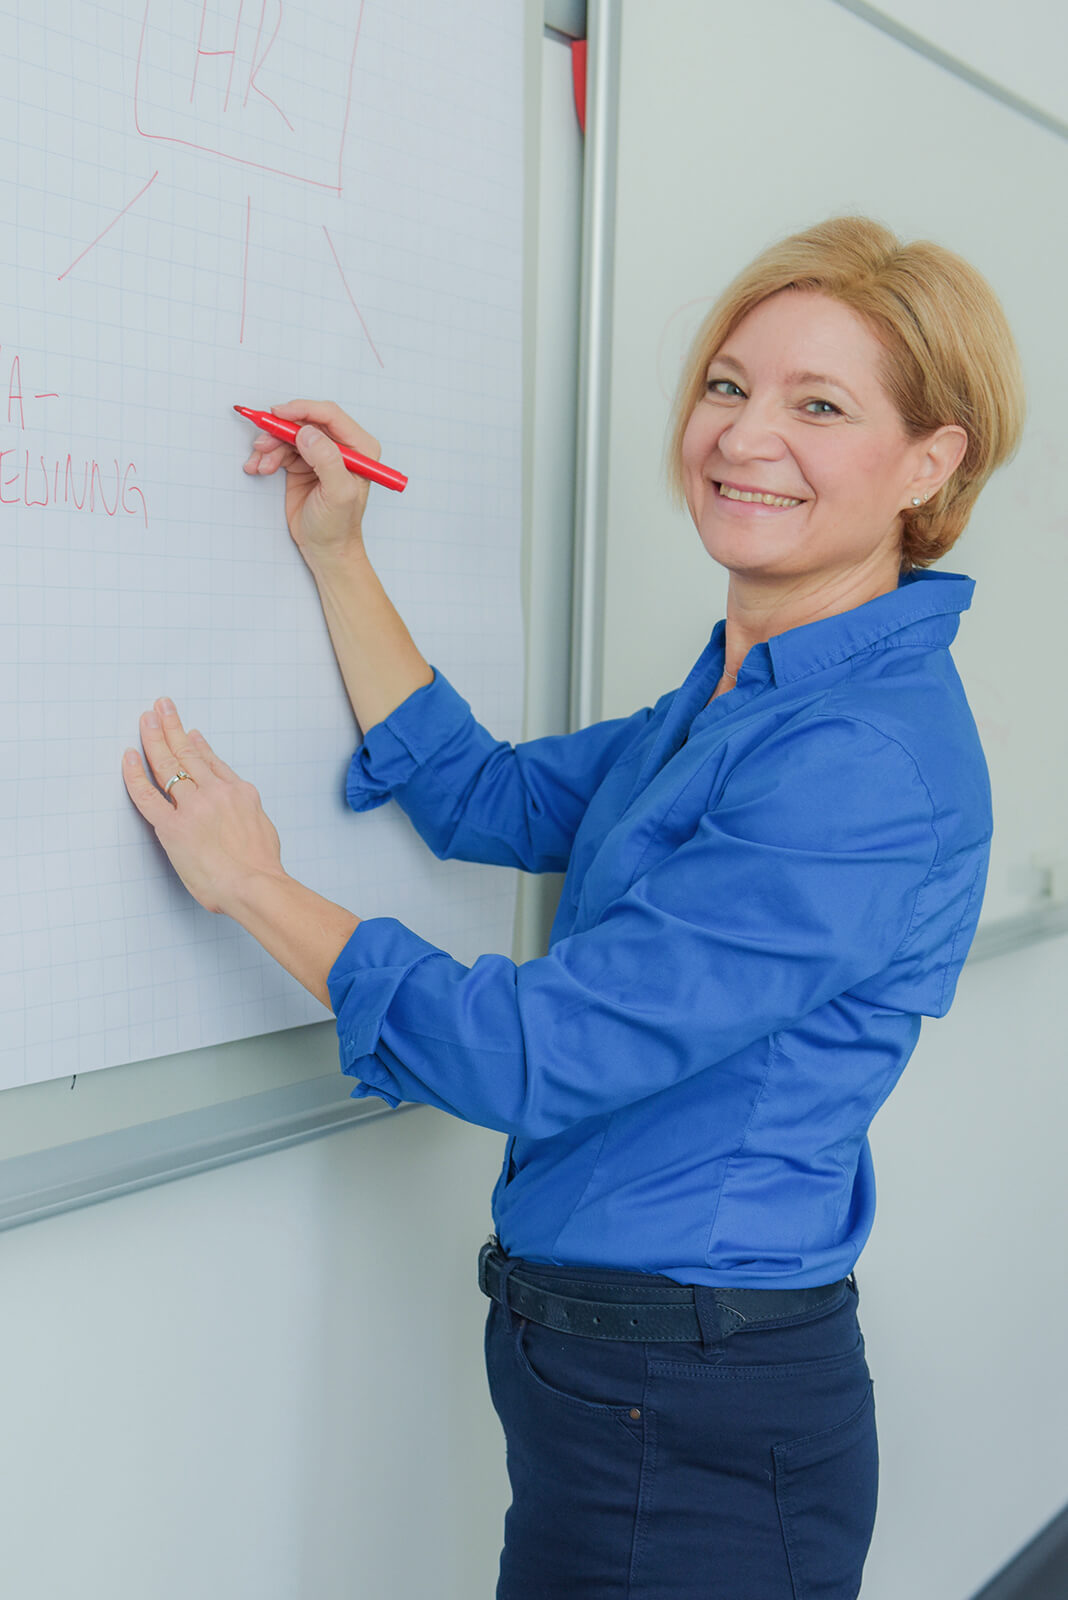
709,1316
506,1266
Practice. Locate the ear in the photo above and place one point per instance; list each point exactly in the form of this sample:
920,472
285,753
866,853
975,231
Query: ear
941,453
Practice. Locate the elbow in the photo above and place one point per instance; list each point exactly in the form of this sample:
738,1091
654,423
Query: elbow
553,1110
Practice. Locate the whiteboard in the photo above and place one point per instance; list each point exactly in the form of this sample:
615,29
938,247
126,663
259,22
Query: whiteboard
209,204
827,115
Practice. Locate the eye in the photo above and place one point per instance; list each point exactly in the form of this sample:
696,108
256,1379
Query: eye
721,385
831,410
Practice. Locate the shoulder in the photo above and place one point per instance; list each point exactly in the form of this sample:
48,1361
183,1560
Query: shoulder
828,777
891,739
898,736
915,699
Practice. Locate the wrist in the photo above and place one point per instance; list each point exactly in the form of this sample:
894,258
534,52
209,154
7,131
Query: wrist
342,562
257,895
304,932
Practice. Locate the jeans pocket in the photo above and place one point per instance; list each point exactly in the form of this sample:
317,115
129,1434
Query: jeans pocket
598,1377
825,1488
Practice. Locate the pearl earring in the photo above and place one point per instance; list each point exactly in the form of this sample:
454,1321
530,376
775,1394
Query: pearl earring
917,501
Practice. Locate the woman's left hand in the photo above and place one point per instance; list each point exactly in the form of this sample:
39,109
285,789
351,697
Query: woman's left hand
210,822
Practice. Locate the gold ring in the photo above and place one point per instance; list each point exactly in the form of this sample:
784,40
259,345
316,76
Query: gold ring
178,776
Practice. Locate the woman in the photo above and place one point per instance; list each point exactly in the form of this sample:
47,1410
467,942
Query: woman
772,875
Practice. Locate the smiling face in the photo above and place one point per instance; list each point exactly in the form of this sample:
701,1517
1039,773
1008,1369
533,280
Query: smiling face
795,463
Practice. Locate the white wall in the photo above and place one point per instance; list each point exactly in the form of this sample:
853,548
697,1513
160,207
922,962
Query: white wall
1022,48
262,1383
964,1294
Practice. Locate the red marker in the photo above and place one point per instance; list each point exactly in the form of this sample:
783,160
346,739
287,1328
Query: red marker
362,466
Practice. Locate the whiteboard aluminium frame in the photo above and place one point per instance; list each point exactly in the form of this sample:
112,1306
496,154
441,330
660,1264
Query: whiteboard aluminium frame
47,1182
603,32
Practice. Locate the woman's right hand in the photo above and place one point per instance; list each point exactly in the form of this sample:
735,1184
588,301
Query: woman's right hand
379,661
324,500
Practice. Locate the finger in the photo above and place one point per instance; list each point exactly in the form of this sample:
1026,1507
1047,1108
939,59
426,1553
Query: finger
143,792
267,455
163,763
158,755
333,421
207,754
181,747
340,487
279,451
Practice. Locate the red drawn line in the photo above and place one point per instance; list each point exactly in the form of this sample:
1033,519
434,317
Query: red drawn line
252,84
233,55
46,397
200,41
109,227
244,273
348,99
348,291
255,47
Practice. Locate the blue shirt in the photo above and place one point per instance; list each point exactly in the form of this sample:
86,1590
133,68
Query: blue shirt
763,895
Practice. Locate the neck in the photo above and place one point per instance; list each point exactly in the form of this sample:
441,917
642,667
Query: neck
757,610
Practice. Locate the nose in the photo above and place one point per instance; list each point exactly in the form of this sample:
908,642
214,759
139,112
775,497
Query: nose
751,435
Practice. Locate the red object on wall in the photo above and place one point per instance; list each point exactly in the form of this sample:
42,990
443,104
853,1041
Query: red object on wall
578,78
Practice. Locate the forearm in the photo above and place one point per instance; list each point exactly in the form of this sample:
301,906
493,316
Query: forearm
379,661
302,931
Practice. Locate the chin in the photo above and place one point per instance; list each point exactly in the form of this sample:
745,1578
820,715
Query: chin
747,552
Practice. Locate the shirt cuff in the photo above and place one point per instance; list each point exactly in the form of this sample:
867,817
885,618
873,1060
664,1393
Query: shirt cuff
362,982
409,737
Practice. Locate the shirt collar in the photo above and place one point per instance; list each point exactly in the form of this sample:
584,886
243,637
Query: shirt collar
925,608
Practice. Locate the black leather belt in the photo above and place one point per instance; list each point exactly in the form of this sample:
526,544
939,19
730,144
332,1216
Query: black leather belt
663,1311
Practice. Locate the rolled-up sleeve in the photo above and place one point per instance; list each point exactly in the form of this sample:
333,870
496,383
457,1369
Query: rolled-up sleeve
802,880
476,798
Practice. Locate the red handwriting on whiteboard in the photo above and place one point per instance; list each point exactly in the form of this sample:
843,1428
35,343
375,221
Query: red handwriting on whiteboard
255,64
214,83
27,479
108,487
14,392
16,408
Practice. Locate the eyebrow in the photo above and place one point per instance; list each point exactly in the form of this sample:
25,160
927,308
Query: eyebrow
792,377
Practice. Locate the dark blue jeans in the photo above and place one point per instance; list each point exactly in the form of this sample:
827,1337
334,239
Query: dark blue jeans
744,1468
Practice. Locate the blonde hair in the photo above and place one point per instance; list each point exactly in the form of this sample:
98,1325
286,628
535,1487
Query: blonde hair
949,355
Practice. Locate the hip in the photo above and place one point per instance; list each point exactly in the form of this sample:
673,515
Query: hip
745,1458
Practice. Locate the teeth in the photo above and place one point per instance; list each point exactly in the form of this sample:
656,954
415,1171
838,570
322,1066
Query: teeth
756,499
